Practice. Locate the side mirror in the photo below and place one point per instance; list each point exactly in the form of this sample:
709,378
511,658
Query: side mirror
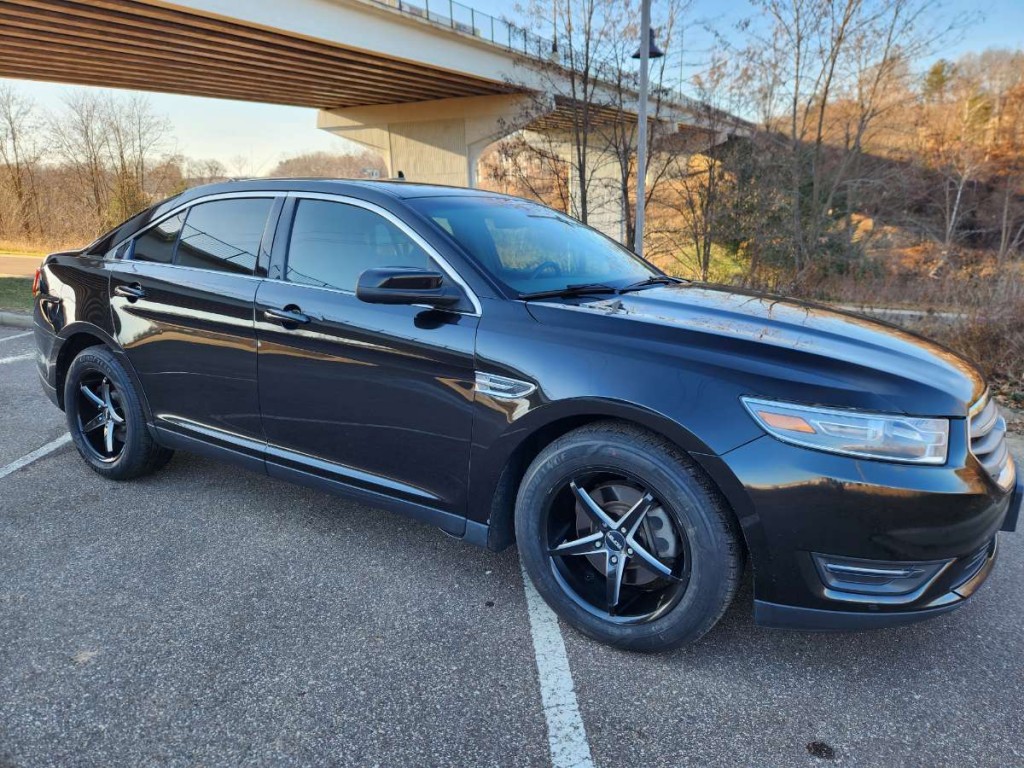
405,285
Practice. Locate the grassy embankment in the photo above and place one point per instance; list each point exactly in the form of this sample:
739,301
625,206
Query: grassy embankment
15,293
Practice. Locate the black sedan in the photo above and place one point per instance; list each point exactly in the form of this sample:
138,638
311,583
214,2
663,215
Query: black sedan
497,369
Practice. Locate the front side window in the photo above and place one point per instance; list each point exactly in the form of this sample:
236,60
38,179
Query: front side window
224,235
528,247
157,243
333,243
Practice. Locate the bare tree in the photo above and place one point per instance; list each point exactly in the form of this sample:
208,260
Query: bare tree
951,148
135,134
570,80
242,166
21,148
531,165
328,165
696,181
618,132
820,78
203,171
80,138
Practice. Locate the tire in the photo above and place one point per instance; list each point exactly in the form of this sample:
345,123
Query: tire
645,487
100,396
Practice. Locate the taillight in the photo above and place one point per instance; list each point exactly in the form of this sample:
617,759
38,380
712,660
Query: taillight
37,281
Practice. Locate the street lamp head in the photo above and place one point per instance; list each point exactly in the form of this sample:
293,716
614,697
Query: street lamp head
655,52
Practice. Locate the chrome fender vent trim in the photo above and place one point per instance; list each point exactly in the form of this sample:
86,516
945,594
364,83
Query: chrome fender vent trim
502,387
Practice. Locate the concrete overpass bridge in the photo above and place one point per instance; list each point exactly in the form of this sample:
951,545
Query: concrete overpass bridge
429,84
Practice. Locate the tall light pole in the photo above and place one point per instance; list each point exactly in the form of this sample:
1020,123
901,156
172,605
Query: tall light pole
648,50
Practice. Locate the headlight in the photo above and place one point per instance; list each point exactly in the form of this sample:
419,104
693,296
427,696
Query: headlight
854,433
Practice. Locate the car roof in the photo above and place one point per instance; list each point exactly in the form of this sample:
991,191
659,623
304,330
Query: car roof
374,191
393,188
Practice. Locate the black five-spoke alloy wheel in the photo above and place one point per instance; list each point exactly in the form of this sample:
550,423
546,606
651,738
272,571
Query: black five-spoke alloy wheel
626,539
106,419
615,550
105,431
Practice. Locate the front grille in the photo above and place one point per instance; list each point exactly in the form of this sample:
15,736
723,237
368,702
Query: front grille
988,441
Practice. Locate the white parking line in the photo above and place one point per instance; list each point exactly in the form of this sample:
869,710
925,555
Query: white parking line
16,358
17,336
567,738
38,453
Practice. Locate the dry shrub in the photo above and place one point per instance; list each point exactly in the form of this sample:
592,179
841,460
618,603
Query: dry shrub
42,245
972,285
975,308
993,337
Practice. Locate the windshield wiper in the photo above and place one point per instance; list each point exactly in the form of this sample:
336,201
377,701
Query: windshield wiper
580,289
652,280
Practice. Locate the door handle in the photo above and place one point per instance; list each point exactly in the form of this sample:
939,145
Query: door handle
130,292
290,315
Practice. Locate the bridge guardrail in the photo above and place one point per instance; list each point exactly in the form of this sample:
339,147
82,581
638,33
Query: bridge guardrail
512,37
469,21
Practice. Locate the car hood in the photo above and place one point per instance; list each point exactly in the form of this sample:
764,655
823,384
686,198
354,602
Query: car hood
798,350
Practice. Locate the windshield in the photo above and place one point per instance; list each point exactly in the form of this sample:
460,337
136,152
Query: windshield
529,248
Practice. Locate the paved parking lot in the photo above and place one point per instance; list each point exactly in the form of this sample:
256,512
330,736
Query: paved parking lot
209,616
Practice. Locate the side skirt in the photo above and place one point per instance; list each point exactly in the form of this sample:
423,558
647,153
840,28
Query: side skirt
251,455
181,442
446,521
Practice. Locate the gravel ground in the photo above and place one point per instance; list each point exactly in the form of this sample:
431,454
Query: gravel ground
209,616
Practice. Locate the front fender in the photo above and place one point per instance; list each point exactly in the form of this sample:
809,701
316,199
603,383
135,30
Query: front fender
508,434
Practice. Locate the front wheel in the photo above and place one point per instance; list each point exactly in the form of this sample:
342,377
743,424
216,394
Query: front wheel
626,539
106,419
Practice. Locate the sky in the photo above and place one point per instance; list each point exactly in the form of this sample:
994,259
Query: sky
251,138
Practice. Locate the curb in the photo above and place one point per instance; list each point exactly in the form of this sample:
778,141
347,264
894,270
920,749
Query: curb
16,319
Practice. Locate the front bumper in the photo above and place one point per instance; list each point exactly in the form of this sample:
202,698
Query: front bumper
1016,503
801,509
824,620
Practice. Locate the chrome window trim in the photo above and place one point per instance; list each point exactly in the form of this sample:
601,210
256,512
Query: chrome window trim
193,269
329,197
406,229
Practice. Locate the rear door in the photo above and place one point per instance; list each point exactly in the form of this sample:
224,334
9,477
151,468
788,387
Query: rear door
373,396
182,302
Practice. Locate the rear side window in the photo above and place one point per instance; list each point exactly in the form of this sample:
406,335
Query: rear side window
157,243
333,243
224,235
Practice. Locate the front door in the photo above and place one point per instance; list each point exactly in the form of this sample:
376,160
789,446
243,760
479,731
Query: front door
376,397
182,303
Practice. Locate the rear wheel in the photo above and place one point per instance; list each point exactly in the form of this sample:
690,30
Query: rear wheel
626,539
106,420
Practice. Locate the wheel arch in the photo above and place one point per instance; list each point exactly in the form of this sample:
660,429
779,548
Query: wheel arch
74,339
80,336
501,491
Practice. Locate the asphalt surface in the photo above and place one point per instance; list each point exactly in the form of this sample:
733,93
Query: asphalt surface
210,616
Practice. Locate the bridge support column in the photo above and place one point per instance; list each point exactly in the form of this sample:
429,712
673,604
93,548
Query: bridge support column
437,142
602,181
